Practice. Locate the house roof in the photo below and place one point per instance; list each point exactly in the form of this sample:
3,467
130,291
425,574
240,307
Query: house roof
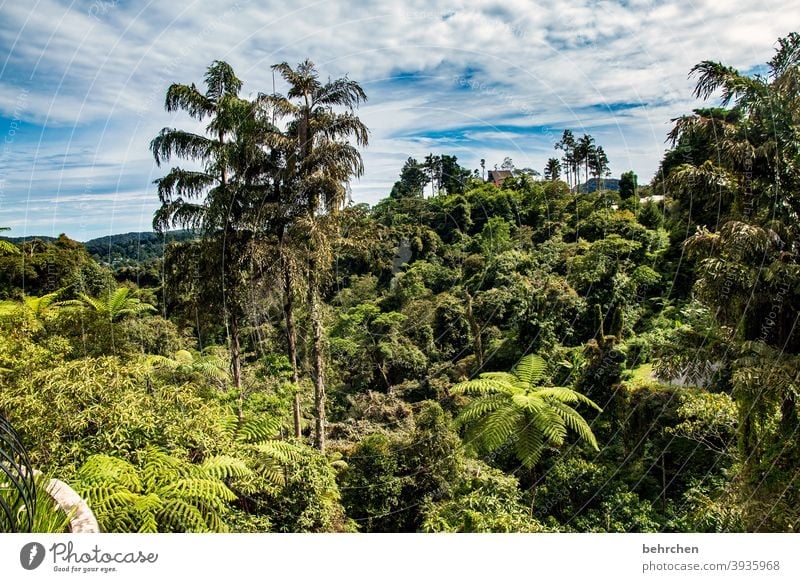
498,176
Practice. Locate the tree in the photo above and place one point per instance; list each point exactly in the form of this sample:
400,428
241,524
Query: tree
113,307
584,151
746,170
552,171
598,164
412,180
627,185
33,309
217,198
513,407
454,177
320,160
433,170
568,145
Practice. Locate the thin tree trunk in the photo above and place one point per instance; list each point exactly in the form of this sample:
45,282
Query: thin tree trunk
291,341
236,359
789,420
318,365
476,331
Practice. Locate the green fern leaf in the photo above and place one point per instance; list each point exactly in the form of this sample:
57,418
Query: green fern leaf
530,368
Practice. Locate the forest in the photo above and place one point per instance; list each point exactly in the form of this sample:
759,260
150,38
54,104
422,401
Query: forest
460,357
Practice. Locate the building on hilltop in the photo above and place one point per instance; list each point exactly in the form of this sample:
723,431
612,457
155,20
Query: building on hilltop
497,177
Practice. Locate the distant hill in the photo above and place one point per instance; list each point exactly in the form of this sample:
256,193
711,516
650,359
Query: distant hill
133,247
21,239
592,184
118,250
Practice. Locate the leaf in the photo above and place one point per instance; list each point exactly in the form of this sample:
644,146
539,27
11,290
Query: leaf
530,368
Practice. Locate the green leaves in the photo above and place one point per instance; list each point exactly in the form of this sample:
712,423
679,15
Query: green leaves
509,407
530,368
160,494
112,307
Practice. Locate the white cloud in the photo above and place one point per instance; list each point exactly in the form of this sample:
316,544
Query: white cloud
94,74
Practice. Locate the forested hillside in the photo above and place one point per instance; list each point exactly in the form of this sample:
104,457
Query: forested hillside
523,358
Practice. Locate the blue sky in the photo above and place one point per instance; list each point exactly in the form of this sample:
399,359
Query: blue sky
82,84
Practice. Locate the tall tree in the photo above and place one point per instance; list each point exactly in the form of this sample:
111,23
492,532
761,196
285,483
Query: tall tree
214,199
627,185
598,164
584,151
567,144
552,170
433,170
320,161
748,164
454,177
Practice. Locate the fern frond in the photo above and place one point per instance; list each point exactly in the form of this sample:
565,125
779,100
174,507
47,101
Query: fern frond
576,423
498,376
552,427
207,490
254,431
106,498
530,402
148,523
280,451
530,368
500,425
106,469
180,516
480,386
225,467
479,407
529,446
566,395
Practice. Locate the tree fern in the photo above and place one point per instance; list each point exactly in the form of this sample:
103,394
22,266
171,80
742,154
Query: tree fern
160,494
510,407
117,305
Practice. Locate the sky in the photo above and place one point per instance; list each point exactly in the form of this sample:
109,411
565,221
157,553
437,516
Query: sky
82,84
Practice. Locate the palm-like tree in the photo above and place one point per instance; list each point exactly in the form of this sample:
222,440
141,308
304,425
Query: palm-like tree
35,310
220,199
209,363
113,306
758,137
318,162
552,171
512,407
746,169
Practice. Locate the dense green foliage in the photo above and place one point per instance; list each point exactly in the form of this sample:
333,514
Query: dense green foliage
541,356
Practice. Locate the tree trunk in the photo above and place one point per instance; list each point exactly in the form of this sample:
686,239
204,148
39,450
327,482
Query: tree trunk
291,341
789,420
318,365
476,331
236,359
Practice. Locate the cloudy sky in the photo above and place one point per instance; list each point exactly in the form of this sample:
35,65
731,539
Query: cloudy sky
82,84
